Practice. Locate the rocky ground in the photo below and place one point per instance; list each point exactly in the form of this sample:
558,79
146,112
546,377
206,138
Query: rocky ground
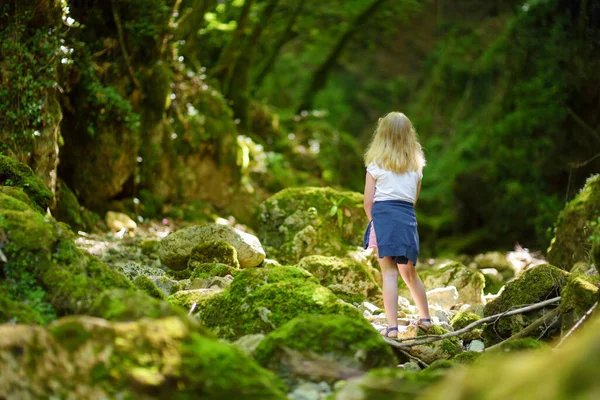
161,310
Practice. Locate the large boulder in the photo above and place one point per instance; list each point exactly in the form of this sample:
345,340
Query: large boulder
534,285
175,249
350,280
45,271
298,222
86,357
578,296
570,372
468,282
323,348
262,299
571,242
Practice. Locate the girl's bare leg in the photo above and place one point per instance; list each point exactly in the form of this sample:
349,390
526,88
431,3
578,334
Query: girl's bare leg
415,285
389,275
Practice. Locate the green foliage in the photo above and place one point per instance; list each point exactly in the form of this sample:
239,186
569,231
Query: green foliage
29,77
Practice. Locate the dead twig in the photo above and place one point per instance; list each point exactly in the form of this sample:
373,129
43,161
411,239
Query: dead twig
418,340
410,356
574,328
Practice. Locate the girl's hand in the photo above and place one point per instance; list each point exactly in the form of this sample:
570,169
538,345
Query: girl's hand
369,194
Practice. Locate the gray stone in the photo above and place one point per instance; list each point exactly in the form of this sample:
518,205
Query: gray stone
175,249
476,345
445,297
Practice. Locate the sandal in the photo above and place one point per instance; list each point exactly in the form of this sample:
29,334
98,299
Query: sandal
423,325
385,332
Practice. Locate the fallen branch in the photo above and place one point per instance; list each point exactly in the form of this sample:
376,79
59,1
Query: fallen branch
414,358
529,328
418,340
585,316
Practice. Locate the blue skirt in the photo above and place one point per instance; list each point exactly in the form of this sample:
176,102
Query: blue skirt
395,225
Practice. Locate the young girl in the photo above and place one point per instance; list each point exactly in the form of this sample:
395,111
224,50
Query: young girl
394,161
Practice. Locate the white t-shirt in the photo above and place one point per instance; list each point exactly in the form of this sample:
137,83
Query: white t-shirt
392,186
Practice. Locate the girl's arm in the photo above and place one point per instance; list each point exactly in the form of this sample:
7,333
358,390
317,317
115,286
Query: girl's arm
418,192
369,195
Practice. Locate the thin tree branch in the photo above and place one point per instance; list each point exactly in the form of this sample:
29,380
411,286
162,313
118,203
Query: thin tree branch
117,19
418,340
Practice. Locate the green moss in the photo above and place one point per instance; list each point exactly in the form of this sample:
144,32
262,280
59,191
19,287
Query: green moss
14,173
571,242
186,298
76,279
462,319
215,251
540,374
70,334
466,358
297,222
14,311
344,341
251,279
208,270
128,305
389,383
149,247
219,370
69,210
350,280
578,296
518,345
440,364
262,299
534,285
181,274
144,283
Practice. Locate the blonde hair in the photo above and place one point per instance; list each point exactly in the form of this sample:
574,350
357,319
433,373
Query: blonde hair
395,145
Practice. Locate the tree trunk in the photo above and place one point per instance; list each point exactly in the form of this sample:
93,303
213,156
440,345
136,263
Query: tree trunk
238,89
288,35
227,60
320,76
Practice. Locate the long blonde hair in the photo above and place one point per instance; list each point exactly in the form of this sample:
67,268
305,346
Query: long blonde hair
395,145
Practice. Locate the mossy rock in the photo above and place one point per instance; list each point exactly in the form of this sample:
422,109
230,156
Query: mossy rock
467,357
350,280
462,319
208,270
578,296
297,222
519,345
262,299
214,251
534,285
69,211
542,374
469,282
129,305
16,193
440,350
338,342
175,250
150,248
12,311
147,286
571,242
158,359
186,298
388,384
14,173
